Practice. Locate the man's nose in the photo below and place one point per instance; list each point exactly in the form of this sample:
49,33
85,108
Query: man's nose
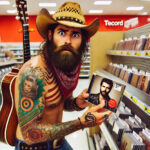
68,40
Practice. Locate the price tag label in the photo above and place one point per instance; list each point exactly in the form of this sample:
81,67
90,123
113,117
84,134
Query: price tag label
123,53
148,110
141,105
129,53
117,53
134,99
127,94
137,53
147,54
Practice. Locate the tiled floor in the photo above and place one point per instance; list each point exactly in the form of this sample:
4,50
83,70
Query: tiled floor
78,140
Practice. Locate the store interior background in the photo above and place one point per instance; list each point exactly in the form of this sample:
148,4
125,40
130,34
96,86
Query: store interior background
104,39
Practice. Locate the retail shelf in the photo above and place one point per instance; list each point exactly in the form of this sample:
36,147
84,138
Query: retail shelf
87,61
3,64
20,49
140,98
2,55
90,142
85,67
84,76
129,53
85,71
110,141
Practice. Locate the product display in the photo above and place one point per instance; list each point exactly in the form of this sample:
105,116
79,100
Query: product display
147,45
132,141
144,83
104,89
140,44
145,135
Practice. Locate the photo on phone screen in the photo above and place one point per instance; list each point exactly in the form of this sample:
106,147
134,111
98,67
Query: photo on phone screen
105,89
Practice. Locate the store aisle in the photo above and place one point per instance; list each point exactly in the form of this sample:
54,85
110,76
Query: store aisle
78,140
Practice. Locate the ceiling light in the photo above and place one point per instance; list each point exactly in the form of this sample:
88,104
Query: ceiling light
102,2
95,11
13,11
51,12
4,3
47,4
135,8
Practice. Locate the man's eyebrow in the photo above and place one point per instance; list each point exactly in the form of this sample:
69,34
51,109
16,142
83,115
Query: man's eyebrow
60,29
76,32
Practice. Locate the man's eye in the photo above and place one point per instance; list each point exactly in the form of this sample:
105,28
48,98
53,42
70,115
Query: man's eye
62,33
75,35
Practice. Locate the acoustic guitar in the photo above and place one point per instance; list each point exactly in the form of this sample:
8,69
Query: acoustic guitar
8,116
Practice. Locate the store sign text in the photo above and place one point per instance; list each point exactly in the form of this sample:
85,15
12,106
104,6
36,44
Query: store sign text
113,23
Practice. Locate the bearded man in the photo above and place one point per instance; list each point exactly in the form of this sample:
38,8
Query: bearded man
55,74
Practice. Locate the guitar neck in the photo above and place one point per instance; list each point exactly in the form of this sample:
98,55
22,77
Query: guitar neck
26,43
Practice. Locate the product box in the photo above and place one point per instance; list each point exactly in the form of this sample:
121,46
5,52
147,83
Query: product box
132,141
147,45
143,83
128,75
104,89
140,44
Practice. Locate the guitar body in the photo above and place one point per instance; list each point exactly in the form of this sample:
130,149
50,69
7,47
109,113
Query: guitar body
8,116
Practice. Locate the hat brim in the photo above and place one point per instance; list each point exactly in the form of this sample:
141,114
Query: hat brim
44,20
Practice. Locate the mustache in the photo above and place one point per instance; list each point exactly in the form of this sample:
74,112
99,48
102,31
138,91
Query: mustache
66,47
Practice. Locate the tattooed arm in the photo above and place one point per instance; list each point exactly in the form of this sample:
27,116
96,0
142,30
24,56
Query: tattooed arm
30,109
77,103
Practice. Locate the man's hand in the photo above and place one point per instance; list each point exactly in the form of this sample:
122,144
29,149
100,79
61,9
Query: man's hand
95,115
80,100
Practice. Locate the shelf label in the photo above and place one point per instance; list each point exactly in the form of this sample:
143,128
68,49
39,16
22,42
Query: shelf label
148,110
123,53
129,53
134,99
127,94
137,53
117,53
147,53
141,105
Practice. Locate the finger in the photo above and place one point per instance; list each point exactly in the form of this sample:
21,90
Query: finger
104,114
85,94
100,106
85,104
100,121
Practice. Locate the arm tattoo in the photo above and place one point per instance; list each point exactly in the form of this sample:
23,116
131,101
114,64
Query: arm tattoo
44,132
30,110
90,120
71,105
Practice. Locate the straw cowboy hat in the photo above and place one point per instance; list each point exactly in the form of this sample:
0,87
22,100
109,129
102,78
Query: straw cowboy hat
69,14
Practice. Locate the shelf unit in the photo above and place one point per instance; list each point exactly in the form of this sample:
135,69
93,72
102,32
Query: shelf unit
135,99
135,95
17,49
129,53
85,67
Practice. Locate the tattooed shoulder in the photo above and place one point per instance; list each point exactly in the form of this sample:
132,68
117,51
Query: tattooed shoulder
31,88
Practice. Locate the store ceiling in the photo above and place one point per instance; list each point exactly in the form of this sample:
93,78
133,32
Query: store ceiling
116,7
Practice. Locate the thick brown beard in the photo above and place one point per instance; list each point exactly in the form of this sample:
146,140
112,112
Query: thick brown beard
65,62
